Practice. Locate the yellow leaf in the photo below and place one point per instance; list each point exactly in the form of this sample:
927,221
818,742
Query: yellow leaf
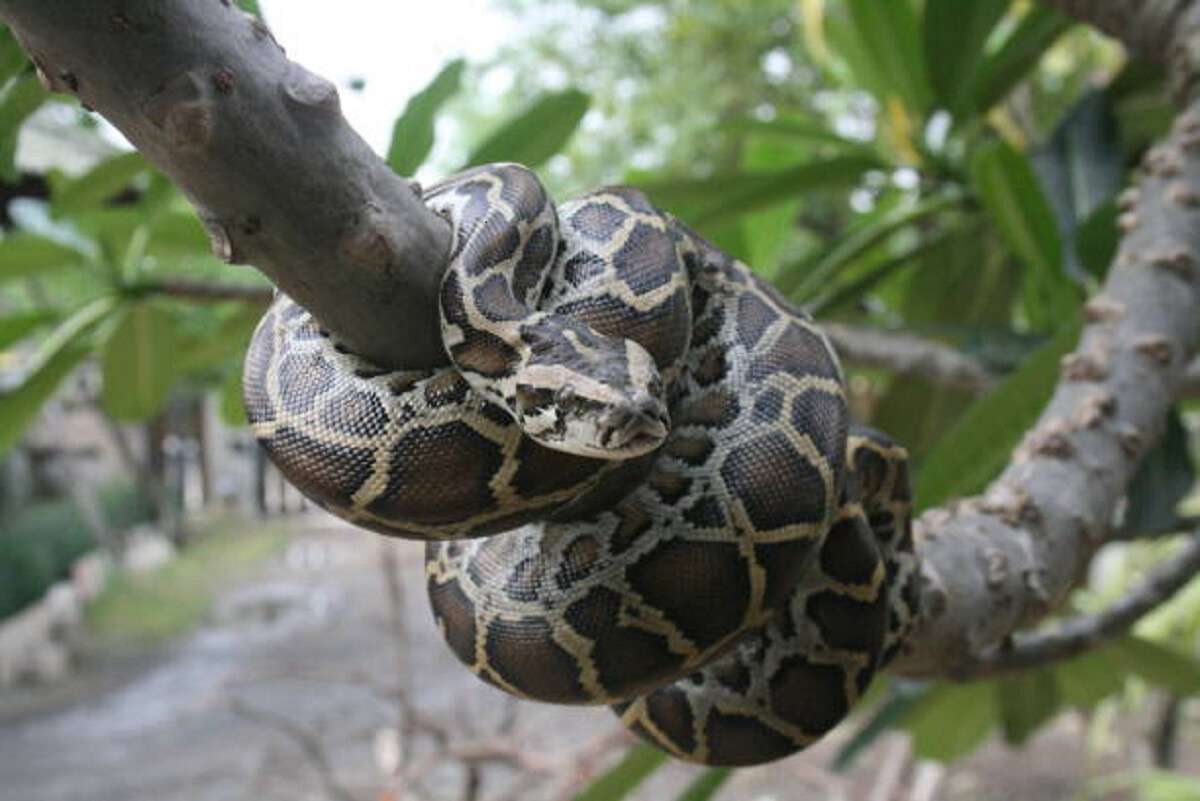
812,15
898,131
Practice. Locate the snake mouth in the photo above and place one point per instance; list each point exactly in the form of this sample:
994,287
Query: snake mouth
644,440
640,437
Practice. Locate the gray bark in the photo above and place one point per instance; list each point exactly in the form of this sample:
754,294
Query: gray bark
260,147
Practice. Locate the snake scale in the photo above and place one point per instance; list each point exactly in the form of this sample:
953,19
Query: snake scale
637,479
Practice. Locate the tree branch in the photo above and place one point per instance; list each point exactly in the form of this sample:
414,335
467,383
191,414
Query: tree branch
906,354
1080,634
260,146
307,741
207,291
993,564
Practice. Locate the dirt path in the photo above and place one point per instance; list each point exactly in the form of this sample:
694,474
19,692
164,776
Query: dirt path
293,672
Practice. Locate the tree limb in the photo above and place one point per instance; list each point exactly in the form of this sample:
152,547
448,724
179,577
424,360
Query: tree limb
1086,632
260,146
993,564
207,291
306,740
906,354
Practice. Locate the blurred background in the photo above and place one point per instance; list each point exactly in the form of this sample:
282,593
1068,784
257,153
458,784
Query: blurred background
938,181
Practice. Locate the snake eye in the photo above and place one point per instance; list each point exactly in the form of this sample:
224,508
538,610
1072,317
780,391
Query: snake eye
565,394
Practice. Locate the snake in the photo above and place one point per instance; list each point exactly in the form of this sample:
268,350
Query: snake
636,477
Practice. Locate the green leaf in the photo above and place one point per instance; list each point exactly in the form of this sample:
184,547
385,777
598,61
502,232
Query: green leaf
18,101
706,785
794,129
233,406
1097,238
25,255
711,202
1164,478
1086,680
803,283
57,355
216,348
98,185
955,33
1080,168
139,363
952,720
841,295
1026,701
250,6
20,406
968,267
1009,192
12,58
1161,666
889,33
412,135
178,234
533,137
620,780
15,327
1021,51
978,446
1142,104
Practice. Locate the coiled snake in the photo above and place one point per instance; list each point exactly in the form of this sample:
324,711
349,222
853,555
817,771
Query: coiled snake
683,523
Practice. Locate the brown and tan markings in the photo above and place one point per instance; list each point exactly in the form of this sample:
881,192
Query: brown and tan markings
637,477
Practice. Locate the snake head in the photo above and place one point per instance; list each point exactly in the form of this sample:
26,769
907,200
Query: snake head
605,404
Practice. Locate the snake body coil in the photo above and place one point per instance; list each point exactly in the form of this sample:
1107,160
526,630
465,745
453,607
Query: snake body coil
684,523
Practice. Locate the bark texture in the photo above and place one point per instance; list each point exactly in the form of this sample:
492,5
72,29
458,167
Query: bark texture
1080,634
260,146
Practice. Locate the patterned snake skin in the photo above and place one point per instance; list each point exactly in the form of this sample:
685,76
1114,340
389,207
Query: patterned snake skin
637,479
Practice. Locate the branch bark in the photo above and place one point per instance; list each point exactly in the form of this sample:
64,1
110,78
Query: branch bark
260,147
1086,632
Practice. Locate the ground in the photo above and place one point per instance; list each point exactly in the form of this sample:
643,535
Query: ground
289,691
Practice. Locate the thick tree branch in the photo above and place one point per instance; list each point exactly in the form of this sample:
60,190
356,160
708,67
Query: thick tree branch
907,354
1000,562
1080,634
260,146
